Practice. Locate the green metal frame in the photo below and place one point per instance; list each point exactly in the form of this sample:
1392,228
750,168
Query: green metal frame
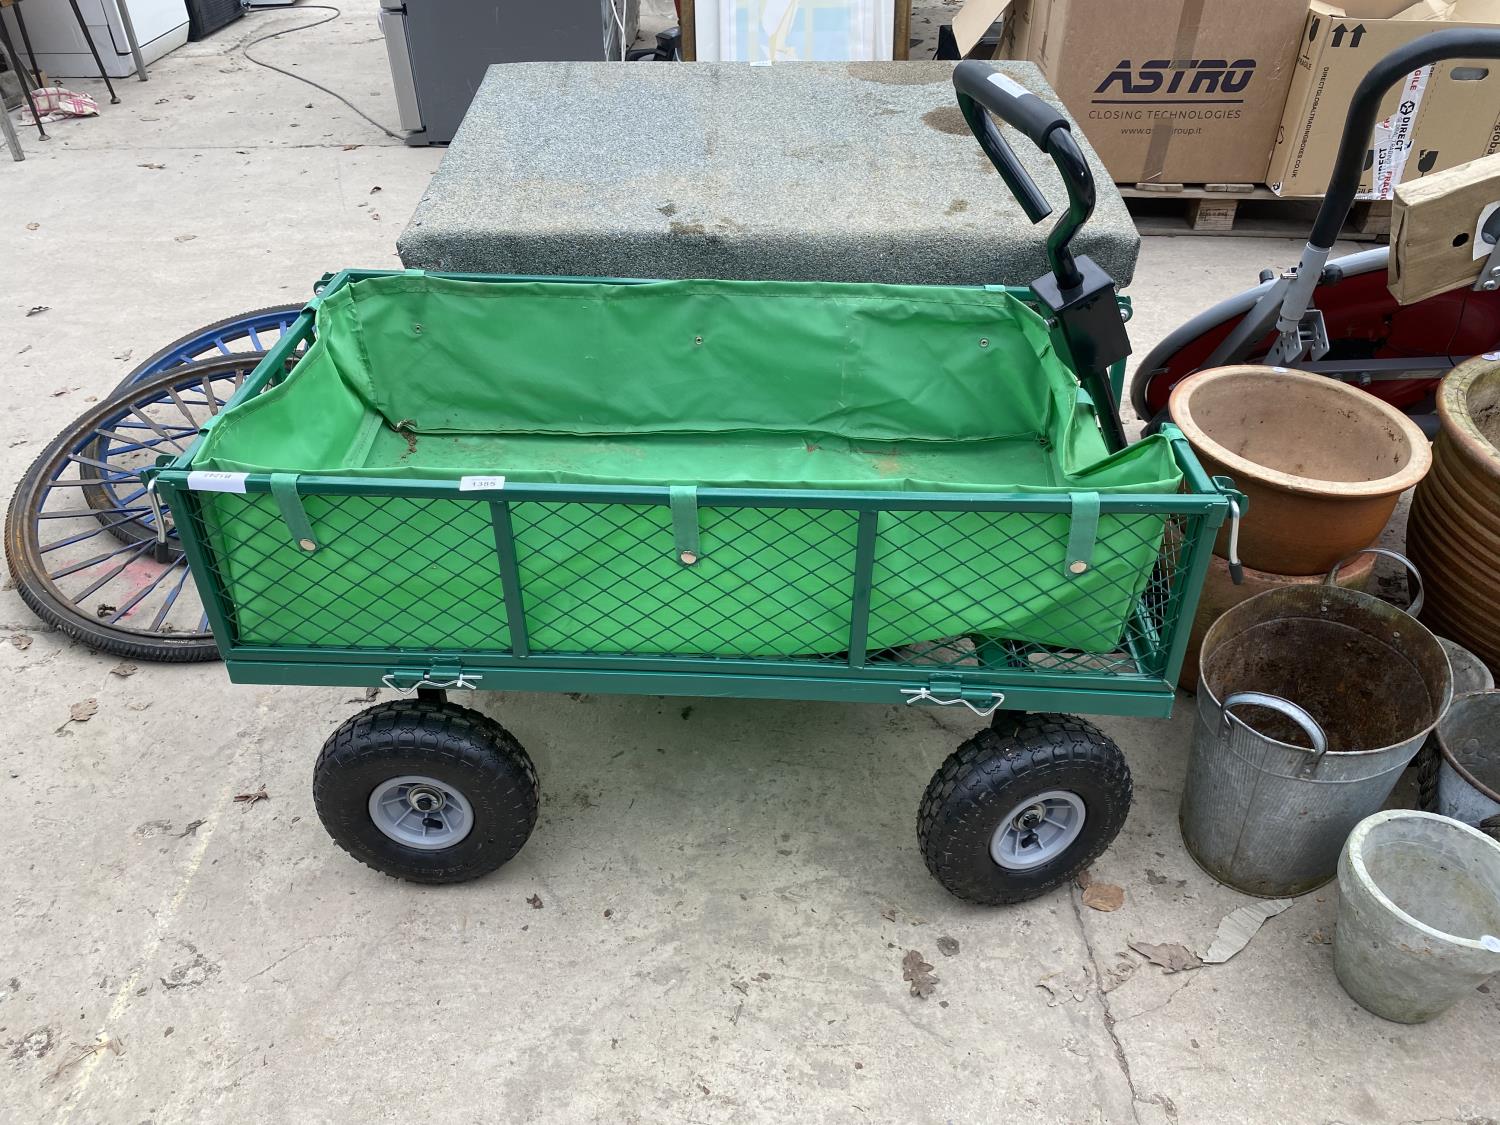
1202,505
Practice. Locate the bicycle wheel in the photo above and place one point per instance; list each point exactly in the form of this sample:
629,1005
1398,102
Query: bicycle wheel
110,462
135,599
254,331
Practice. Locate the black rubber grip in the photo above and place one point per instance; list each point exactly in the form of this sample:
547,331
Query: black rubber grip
1008,100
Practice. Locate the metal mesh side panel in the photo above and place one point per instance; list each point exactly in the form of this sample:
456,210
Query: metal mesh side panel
605,578
389,572
966,589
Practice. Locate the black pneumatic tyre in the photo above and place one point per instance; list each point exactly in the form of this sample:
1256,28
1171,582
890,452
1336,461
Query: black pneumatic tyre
1048,793
428,792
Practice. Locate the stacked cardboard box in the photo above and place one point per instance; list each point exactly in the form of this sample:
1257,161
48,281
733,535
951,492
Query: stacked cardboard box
1439,117
1225,92
1169,91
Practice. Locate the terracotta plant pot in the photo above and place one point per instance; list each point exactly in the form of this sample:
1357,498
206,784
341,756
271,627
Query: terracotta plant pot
1220,595
1322,463
1454,531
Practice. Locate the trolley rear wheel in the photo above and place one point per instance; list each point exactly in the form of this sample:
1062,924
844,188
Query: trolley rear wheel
426,791
1023,807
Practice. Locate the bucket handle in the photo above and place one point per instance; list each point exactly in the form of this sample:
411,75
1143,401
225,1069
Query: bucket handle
1285,707
1416,603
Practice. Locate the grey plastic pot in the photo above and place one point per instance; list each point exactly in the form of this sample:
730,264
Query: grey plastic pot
1419,911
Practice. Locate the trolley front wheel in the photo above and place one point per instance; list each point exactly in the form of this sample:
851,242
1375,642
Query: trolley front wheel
1023,807
426,791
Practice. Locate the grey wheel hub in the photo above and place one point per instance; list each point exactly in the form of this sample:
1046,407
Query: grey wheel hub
1038,830
421,812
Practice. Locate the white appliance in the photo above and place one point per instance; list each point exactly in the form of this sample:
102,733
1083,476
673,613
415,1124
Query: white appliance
61,51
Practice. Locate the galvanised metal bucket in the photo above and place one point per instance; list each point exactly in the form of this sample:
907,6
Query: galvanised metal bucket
1313,700
1469,675
1468,787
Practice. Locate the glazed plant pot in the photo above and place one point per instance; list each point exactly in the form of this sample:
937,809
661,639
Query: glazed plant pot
1454,531
1321,462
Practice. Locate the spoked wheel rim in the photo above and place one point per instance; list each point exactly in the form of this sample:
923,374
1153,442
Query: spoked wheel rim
162,423
93,564
421,812
230,338
1038,830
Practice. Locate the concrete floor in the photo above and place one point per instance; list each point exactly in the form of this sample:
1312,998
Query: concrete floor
727,888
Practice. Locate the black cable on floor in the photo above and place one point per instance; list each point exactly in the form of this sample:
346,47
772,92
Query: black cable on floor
245,49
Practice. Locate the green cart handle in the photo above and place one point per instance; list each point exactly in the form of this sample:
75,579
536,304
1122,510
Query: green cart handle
979,88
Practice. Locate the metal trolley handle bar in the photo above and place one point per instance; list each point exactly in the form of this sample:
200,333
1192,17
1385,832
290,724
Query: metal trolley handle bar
1347,166
1455,43
1078,294
1285,707
981,88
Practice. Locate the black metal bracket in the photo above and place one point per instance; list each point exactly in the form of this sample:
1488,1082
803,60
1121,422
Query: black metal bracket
1089,319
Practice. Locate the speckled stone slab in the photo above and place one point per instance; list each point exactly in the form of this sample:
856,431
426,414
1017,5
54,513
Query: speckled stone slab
807,171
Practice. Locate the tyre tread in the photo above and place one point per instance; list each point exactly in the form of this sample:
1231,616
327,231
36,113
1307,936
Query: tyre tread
958,805
471,743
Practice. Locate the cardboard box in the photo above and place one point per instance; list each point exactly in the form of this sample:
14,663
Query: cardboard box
1169,91
1440,117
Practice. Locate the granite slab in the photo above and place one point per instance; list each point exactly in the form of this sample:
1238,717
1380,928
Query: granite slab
805,171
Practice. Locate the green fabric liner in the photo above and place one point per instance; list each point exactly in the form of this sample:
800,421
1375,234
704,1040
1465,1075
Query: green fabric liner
685,383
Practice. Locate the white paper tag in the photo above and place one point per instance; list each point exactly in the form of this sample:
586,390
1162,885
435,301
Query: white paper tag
480,484
1008,84
201,481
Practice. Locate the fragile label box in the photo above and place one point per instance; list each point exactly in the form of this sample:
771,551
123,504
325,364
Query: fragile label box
1438,117
1169,91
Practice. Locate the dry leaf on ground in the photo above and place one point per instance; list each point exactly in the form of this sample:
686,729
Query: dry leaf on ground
947,946
1172,956
535,902
916,970
124,670
1073,986
248,799
1083,879
1239,926
1104,896
21,640
83,711
1116,974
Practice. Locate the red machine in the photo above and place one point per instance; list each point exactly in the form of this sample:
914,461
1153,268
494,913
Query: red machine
1337,317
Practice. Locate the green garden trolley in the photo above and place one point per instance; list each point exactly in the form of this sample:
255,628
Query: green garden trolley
916,495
